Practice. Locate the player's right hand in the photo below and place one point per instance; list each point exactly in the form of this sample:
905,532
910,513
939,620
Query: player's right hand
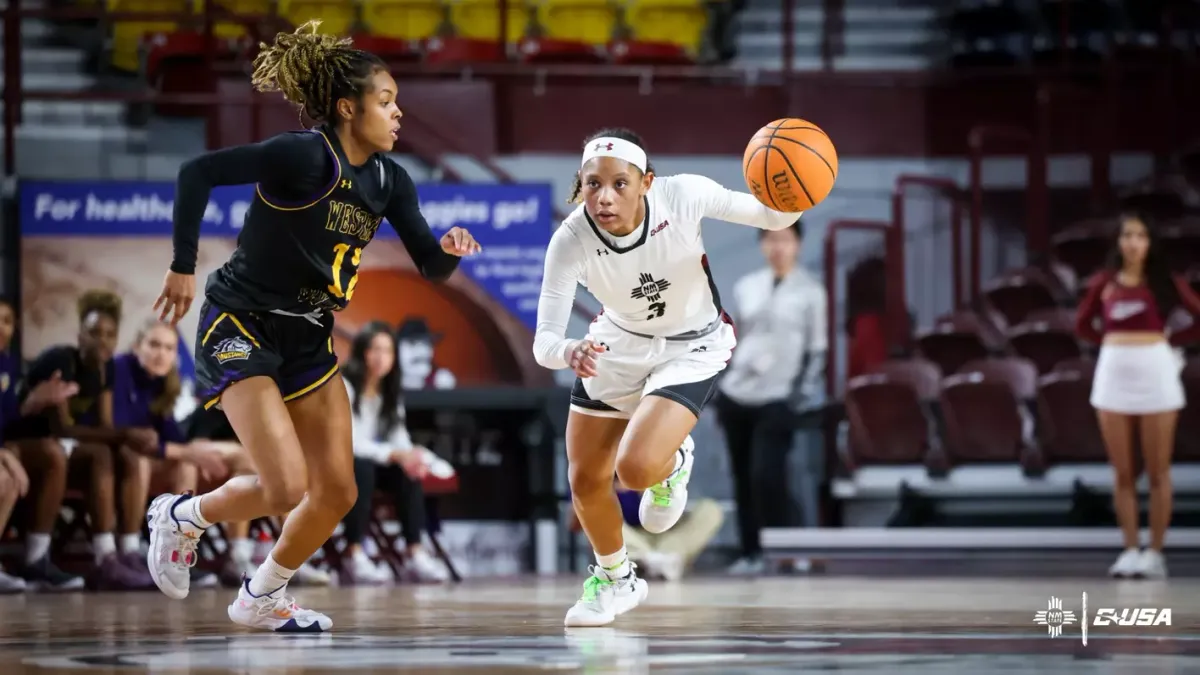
176,298
584,357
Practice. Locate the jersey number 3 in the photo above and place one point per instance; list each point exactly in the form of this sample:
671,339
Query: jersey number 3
339,257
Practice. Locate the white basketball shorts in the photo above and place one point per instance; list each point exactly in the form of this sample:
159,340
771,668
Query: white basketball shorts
684,370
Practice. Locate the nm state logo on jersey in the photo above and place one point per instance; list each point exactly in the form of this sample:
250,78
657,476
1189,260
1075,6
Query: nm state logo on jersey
232,349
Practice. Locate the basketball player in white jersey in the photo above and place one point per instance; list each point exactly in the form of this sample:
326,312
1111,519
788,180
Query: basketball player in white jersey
650,361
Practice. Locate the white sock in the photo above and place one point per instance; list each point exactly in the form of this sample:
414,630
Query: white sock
241,550
37,546
270,577
188,511
130,543
614,565
103,545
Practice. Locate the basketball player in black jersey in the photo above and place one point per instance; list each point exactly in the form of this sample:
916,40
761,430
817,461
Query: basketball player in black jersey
264,349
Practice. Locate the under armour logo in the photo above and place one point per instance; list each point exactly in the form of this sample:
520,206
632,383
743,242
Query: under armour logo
601,251
603,146
346,184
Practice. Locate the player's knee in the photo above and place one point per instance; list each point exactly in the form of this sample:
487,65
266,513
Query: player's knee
635,473
282,494
336,497
587,483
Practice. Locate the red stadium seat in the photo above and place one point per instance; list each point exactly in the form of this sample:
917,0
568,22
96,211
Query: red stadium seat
957,338
1180,241
649,53
1084,365
1069,430
1017,293
1046,338
984,424
889,419
924,377
1187,435
1019,374
1085,246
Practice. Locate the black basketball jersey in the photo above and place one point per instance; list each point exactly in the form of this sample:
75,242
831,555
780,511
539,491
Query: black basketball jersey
304,256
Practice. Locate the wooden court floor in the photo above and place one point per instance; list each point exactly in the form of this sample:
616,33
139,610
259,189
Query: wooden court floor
845,624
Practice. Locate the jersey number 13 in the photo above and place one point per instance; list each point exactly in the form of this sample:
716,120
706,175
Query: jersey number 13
339,258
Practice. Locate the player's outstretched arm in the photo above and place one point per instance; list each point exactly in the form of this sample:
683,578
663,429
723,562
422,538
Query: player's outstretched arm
563,272
288,166
436,260
715,201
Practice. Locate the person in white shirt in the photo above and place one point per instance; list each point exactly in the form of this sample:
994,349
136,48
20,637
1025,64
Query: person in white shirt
774,385
650,361
384,456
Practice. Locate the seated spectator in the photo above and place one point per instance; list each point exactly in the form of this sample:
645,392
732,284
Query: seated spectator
14,481
384,456
669,554
79,434
145,387
866,317
14,484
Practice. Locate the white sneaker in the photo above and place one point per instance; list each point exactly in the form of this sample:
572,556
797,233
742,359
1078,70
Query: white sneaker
172,551
426,568
364,571
668,566
605,599
308,575
748,567
1127,564
275,612
662,505
11,584
1152,565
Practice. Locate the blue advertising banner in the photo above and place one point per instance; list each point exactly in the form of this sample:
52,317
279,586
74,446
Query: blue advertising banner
512,222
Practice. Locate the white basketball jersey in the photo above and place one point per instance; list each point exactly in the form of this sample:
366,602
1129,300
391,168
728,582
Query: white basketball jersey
655,280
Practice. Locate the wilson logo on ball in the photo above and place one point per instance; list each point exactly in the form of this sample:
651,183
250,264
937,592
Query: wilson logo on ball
790,165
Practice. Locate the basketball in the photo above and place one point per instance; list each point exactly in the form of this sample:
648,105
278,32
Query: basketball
790,165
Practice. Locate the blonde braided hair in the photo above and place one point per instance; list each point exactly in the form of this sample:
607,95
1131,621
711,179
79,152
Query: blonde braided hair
314,70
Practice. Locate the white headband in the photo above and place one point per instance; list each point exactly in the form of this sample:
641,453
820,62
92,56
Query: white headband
615,147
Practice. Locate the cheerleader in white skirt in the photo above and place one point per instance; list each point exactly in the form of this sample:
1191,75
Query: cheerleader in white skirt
1137,384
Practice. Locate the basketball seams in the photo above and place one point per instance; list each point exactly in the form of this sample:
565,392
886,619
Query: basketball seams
803,128
765,139
808,147
796,174
767,176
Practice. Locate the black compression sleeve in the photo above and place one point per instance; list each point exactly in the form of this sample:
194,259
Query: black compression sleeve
404,213
291,165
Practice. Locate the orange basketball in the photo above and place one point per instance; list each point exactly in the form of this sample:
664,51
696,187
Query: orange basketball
790,165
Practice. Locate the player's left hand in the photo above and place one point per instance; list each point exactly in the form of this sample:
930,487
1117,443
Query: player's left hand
459,242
